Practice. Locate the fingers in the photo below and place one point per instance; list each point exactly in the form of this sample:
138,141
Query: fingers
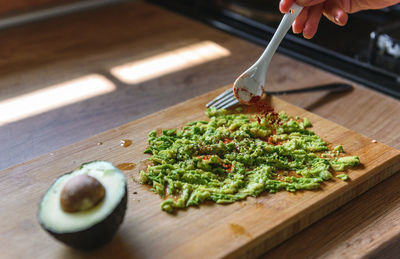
308,20
335,13
311,25
284,5
300,21
355,6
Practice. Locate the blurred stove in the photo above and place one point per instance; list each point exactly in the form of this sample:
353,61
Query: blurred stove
366,50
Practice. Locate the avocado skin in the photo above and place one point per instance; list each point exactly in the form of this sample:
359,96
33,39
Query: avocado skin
99,234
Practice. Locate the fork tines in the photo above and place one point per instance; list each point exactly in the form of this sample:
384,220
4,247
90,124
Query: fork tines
224,100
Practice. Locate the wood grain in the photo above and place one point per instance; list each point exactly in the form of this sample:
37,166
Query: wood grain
242,229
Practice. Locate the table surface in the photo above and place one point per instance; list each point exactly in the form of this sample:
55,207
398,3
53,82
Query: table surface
46,54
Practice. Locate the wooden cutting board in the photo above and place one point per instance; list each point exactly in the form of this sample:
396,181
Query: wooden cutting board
243,229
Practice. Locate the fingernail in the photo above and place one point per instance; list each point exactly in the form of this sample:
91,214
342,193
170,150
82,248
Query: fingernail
306,36
337,20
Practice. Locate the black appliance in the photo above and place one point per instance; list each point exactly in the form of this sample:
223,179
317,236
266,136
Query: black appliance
366,50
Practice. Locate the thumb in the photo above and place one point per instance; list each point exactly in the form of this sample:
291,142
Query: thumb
309,2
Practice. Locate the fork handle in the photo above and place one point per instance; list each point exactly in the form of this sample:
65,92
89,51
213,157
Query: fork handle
333,87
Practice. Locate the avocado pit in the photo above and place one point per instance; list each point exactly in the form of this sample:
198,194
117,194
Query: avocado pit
81,192
84,208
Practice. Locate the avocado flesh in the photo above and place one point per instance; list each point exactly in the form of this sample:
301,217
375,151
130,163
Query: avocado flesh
90,228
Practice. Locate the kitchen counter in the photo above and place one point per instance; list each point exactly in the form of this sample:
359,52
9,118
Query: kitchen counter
98,44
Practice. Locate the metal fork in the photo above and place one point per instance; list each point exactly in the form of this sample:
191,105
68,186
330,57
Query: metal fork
227,99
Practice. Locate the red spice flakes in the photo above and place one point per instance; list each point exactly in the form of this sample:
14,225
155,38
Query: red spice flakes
206,157
228,167
270,140
281,176
204,149
227,140
263,109
255,99
235,92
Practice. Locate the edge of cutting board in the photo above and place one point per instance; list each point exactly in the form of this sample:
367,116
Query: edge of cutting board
260,242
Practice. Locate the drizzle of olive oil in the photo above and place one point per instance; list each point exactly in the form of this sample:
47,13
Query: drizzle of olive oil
126,142
126,166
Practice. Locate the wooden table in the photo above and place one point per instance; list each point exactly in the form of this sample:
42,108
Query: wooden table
45,54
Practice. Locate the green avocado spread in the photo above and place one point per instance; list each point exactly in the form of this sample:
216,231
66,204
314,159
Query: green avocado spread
233,155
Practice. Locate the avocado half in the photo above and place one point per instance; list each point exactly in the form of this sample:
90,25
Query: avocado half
90,228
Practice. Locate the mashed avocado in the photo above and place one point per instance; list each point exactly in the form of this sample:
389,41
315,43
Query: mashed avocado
343,177
233,156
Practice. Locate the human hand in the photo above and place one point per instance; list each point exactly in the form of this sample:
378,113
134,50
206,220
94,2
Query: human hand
335,10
